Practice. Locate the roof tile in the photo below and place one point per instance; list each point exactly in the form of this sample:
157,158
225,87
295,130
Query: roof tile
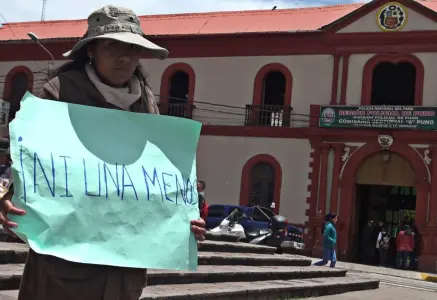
263,21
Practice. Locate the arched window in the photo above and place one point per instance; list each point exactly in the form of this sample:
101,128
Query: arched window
178,94
262,185
274,88
18,85
177,91
271,113
393,84
271,105
393,79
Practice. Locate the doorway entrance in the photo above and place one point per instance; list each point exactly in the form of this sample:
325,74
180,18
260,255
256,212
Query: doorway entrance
390,205
262,185
385,192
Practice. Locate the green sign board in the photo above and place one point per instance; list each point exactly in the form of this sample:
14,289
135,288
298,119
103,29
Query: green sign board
389,117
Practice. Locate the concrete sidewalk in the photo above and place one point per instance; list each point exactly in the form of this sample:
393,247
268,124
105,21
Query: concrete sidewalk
383,271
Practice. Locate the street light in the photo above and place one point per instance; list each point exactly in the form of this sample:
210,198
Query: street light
34,38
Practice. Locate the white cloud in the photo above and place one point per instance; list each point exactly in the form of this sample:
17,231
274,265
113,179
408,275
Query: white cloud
30,10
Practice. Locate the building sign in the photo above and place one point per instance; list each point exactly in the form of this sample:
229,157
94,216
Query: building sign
392,16
389,117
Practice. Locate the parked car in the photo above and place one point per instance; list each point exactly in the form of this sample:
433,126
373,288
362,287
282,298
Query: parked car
254,218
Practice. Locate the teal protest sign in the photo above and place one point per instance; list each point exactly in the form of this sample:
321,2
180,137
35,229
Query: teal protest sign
105,187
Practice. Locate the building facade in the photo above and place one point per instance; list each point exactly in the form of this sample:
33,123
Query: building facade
315,109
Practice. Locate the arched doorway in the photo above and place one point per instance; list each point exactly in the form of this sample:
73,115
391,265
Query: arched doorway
348,225
273,94
393,84
274,88
262,185
385,194
178,93
271,105
177,90
259,175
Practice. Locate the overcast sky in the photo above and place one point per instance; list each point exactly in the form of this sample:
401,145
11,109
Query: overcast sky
30,10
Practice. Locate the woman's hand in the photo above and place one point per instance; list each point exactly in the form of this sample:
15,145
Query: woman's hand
7,207
198,227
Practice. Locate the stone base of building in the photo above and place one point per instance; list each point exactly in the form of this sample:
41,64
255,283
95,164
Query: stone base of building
317,251
428,263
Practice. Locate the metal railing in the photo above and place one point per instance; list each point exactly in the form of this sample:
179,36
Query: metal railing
268,115
182,110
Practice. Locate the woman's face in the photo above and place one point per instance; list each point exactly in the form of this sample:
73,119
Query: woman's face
115,61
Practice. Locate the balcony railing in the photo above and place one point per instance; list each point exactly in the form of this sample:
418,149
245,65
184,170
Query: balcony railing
182,110
268,115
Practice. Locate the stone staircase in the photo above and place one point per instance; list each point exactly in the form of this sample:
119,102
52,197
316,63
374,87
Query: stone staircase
227,271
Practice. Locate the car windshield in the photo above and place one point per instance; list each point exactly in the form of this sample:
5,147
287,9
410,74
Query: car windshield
268,212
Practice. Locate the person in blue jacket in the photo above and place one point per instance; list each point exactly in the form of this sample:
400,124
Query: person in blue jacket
329,241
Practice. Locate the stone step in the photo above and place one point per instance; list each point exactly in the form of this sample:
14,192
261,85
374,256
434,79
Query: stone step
223,237
16,254
10,274
213,274
270,289
251,259
13,253
232,247
7,237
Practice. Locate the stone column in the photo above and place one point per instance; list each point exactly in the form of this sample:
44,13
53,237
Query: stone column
323,178
432,221
338,150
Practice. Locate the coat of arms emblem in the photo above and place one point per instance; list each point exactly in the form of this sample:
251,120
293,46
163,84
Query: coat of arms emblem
392,17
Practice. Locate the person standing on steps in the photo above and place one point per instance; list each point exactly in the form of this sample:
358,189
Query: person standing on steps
329,242
404,247
203,205
104,71
382,244
374,237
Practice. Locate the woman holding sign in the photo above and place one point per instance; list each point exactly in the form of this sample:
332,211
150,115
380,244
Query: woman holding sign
105,72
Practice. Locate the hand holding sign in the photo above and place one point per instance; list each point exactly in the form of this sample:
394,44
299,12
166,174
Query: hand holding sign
104,186
9,208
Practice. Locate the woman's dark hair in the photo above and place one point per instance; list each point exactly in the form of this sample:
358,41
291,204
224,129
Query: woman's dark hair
329,217
82,59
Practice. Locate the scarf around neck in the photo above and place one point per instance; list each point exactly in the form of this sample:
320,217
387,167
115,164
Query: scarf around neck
121,97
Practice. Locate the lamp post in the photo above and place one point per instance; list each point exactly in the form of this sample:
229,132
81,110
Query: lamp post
34,38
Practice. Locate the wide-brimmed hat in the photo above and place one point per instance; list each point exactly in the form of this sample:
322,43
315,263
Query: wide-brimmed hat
116,23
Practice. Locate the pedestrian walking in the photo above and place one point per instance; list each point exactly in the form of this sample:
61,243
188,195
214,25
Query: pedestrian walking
329,241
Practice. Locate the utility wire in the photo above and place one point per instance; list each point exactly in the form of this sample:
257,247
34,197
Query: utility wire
7,24
224,112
